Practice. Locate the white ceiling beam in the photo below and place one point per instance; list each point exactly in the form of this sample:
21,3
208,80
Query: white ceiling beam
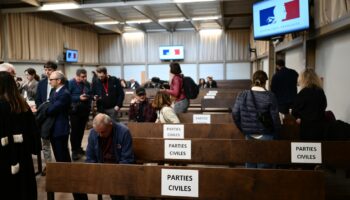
111,27
31,2
184,12
81,16
75,14
221,21
146,11
109,12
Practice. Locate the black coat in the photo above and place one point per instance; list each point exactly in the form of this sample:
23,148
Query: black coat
310,105
20,185
44,122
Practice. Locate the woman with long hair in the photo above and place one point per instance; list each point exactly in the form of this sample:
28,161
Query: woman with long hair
176,90
310,105
166,113
18,142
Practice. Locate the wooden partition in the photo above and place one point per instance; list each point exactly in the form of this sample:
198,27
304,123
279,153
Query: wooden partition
213,183
155,130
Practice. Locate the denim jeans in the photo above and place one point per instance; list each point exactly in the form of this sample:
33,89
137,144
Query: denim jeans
259,165
181,106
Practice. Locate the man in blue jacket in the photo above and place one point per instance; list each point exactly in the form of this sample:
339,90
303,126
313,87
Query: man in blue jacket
109,142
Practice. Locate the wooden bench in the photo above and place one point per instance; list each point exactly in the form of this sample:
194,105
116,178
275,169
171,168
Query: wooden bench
238,151
215,118
218,131
214,183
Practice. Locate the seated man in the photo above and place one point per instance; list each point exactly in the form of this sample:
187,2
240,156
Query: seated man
140,108
109,142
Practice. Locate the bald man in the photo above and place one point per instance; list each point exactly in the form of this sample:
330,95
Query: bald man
109,142
112,139
7,67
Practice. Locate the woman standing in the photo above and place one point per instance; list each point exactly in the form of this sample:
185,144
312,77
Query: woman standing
176,90
251,104
29,88
309,106
166,114
18,142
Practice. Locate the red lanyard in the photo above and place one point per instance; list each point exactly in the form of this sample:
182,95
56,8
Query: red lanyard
105,87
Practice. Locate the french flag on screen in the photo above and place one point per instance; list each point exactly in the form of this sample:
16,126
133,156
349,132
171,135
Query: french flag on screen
166,52
290,9
176,51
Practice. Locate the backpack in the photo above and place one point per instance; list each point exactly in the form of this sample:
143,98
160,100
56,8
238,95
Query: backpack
190,87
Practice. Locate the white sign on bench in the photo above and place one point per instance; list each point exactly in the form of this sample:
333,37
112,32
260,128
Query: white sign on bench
177,149
306,152
201,119
173,131
181,183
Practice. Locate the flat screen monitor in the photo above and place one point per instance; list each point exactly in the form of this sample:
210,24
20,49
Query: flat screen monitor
71,55
278,17
171,53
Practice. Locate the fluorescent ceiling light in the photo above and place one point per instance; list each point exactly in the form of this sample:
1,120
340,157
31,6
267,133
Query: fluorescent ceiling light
141,21
180,19
205,18
210,31
191,1
106,22
60,6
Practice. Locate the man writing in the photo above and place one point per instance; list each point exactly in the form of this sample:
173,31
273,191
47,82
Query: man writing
109,142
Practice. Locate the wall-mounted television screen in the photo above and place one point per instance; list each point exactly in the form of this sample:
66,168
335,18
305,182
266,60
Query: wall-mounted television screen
278,17
71,55
171,53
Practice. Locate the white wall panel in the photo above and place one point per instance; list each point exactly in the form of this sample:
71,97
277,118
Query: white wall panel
237,71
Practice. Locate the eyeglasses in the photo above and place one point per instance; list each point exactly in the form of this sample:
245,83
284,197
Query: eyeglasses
51,79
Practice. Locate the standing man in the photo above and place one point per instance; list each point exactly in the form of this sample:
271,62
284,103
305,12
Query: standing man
42,95
284,86
60,103
80,92
108,93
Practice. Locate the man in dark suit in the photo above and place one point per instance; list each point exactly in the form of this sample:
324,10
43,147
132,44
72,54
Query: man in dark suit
60,101
42,95
284,86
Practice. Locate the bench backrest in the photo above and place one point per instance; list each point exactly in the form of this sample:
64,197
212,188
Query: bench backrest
214,183
218,131
215,118
231,152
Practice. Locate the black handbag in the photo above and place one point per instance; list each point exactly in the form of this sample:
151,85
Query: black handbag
264,117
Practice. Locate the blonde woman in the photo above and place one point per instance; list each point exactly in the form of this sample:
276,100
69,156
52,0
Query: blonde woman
309,106
166,113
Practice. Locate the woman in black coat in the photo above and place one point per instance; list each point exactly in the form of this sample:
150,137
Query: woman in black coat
309,106
18,142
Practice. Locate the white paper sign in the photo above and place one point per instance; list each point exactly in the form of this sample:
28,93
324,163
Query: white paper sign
209,97
181,183
201,119
173,131
212,92
306,152
177,149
